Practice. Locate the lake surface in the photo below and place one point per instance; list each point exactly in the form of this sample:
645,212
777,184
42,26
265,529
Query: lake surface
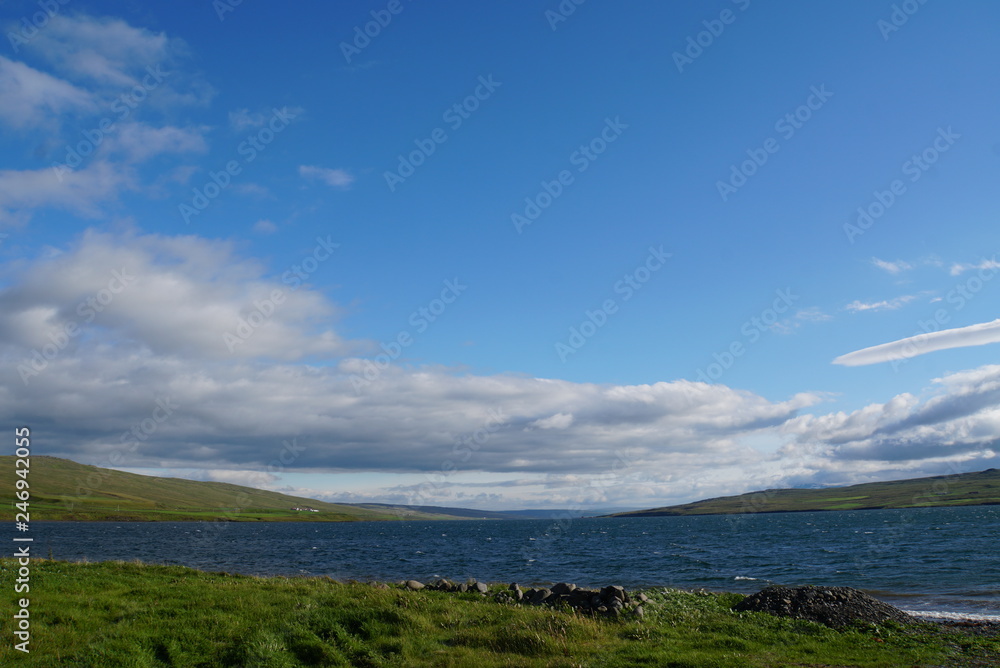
927,560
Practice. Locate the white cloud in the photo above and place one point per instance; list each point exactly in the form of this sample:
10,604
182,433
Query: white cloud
892,267
107,80
103,51
990,264
137,142
885,305
960,337
29,98
337,178
79,191
558,442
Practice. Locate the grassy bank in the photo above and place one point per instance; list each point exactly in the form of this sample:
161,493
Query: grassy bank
127,614
963,489
65,490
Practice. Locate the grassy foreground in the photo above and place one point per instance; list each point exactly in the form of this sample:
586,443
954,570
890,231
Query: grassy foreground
128,614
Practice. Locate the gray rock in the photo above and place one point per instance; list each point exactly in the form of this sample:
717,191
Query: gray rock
563,588
414,585
639,612
463,588
481,587
642,598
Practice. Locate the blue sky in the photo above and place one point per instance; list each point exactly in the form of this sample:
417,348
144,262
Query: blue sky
697,170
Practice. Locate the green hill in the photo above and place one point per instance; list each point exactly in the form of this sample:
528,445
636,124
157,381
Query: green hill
64,490
964,489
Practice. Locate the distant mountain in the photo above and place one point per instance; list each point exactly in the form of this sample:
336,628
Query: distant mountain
65,490
472,513
963,489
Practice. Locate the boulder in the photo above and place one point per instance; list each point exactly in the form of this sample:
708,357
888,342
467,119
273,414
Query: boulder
413,585
481,587
563,588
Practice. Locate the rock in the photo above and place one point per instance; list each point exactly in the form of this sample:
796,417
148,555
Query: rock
414,585
563,588
540,596
463,588
642,598
378,585
639,612
442,585
836,607
614,592
481,587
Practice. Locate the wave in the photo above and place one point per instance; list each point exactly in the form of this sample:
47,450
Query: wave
953,616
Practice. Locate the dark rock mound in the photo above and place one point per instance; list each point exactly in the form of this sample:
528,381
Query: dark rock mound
836,607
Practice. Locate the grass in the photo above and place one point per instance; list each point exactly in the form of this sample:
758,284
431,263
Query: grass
965,489
113,614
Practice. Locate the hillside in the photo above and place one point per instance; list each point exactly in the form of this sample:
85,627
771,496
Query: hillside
964,489
65,490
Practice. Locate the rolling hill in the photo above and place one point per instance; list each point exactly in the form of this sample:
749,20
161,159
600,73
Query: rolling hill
65,490
963,489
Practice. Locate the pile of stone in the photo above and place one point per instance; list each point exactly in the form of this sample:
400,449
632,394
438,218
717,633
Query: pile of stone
448,585
610,601
836,607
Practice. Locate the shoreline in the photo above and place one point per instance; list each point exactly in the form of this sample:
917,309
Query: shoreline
932,615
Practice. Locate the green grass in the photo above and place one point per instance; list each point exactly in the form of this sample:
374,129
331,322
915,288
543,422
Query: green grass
966,489
65,490
114,614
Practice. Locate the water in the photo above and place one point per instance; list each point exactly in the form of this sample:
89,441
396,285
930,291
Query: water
930,561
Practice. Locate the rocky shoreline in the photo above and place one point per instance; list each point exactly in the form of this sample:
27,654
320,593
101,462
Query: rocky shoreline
836,607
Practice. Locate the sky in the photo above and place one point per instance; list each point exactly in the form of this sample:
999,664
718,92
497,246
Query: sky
503,255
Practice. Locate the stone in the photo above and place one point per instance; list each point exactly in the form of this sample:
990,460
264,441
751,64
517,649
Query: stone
481,587
639,612
563,588
414,585
836,607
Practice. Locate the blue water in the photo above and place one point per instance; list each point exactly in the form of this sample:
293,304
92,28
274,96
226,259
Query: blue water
924,560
